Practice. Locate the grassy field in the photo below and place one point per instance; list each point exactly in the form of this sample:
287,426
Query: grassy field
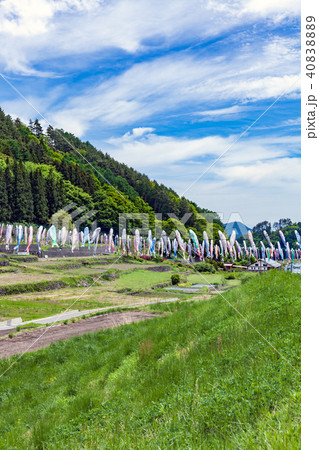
198,377
45,287
31,288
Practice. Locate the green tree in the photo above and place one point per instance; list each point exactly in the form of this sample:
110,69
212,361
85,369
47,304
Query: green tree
261,226
4,207
29,208
40,202
37,129
9,189
22,199
52,193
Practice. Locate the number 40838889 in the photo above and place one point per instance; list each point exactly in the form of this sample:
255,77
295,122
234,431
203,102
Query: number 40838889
310,46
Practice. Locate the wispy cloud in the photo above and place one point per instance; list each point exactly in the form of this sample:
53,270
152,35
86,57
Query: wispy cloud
220,114
38,30
157,152
174,83
154,82
255,170
236,109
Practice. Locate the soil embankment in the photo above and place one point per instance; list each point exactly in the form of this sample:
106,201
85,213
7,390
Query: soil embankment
34,340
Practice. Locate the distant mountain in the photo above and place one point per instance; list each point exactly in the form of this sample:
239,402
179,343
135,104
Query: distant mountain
240,228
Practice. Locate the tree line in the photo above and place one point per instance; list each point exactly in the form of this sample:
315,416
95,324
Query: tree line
28,196
41,171
286,225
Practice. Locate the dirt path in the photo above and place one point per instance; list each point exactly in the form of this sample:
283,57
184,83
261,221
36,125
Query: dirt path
43,337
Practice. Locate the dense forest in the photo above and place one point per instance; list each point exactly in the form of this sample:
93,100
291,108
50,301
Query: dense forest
286,225
42,171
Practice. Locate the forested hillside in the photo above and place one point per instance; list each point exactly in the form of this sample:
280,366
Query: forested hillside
286,225
42,171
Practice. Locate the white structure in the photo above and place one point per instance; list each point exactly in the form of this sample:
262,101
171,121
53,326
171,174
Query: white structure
261,265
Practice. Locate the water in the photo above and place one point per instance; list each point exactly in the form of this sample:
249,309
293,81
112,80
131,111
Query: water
182,289
194,288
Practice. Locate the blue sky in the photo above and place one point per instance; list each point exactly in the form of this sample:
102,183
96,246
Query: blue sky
167,87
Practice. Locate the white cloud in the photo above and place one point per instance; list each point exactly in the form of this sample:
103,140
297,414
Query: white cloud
35,30
30,29
32,17
268,199
277,9
138,132
208,86
257,177
26,110
265,87
220,114
292,122
180,83
160,152
270,172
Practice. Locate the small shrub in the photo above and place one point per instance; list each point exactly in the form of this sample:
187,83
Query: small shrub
110,275
158,258
214,263
204,267
175,278
11,335
244,262
230,276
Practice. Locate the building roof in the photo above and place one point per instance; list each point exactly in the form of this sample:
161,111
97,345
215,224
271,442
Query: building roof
229,265
273,263
270,262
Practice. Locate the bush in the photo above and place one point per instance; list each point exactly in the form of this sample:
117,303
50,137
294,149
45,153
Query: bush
137,258
204,267
231,276
110,275
175,278
130,259
244,262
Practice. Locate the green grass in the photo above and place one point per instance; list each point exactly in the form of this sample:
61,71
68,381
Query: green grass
36,299
59,283
28,310
140,279
220,278
199,377
206,278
